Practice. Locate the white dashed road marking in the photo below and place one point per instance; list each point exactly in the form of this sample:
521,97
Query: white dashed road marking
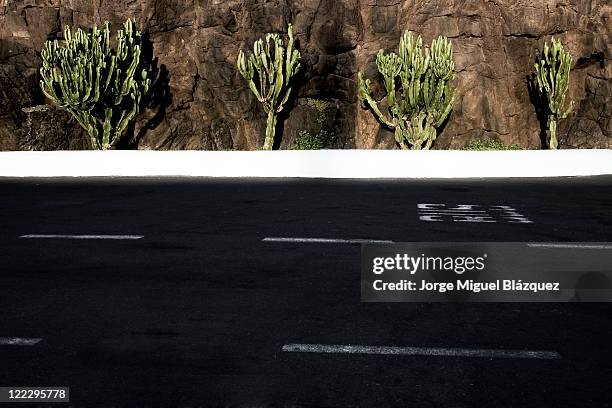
58,236
18,341
570,246
327,240
421,351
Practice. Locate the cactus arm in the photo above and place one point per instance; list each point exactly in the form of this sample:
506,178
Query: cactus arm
246,69
287,62
568,111
276,74
110,73
292,56
390,67
255,91
366,97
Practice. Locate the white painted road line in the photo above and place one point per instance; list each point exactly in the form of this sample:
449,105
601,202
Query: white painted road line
18,341
327,240
421,351
57,236
570,246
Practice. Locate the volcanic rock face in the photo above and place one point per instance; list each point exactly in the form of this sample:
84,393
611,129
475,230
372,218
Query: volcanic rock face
203,103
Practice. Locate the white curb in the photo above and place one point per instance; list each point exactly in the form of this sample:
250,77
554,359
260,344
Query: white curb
342,164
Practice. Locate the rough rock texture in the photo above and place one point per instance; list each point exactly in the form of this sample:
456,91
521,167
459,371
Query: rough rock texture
203,103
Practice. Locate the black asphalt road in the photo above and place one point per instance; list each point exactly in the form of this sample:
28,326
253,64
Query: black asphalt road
196,313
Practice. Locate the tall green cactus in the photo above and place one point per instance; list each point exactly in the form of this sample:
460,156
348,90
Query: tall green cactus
101,87
420,95
269,70
553,76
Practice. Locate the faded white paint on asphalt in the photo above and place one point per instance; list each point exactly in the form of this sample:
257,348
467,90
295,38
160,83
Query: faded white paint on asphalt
327,240
434,212
421,351
570,246
18,341
60,236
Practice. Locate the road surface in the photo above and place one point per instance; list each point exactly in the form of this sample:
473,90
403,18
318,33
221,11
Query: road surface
191,292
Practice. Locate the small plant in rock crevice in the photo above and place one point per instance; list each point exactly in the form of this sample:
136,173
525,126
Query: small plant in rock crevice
320,106
309,141
318,136
490,144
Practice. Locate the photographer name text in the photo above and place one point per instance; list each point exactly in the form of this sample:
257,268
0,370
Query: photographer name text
506,285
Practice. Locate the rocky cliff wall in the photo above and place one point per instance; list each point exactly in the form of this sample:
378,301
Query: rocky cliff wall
207,105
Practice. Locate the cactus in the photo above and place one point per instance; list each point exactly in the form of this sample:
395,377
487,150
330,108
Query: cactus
101,87
553,75
269,70
419,92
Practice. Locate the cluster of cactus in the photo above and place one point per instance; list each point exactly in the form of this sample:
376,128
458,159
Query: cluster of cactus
100,86
269,71
105,88
418,83
553,76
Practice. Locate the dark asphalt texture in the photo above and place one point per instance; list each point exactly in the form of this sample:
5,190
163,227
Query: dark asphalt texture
196,313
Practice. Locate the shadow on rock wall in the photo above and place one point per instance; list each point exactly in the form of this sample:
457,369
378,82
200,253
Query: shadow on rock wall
159,99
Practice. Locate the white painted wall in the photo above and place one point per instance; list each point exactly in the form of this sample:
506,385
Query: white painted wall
309,164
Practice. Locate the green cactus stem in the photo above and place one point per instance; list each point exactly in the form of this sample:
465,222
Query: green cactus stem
418,84
269,71
101,87
553,77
